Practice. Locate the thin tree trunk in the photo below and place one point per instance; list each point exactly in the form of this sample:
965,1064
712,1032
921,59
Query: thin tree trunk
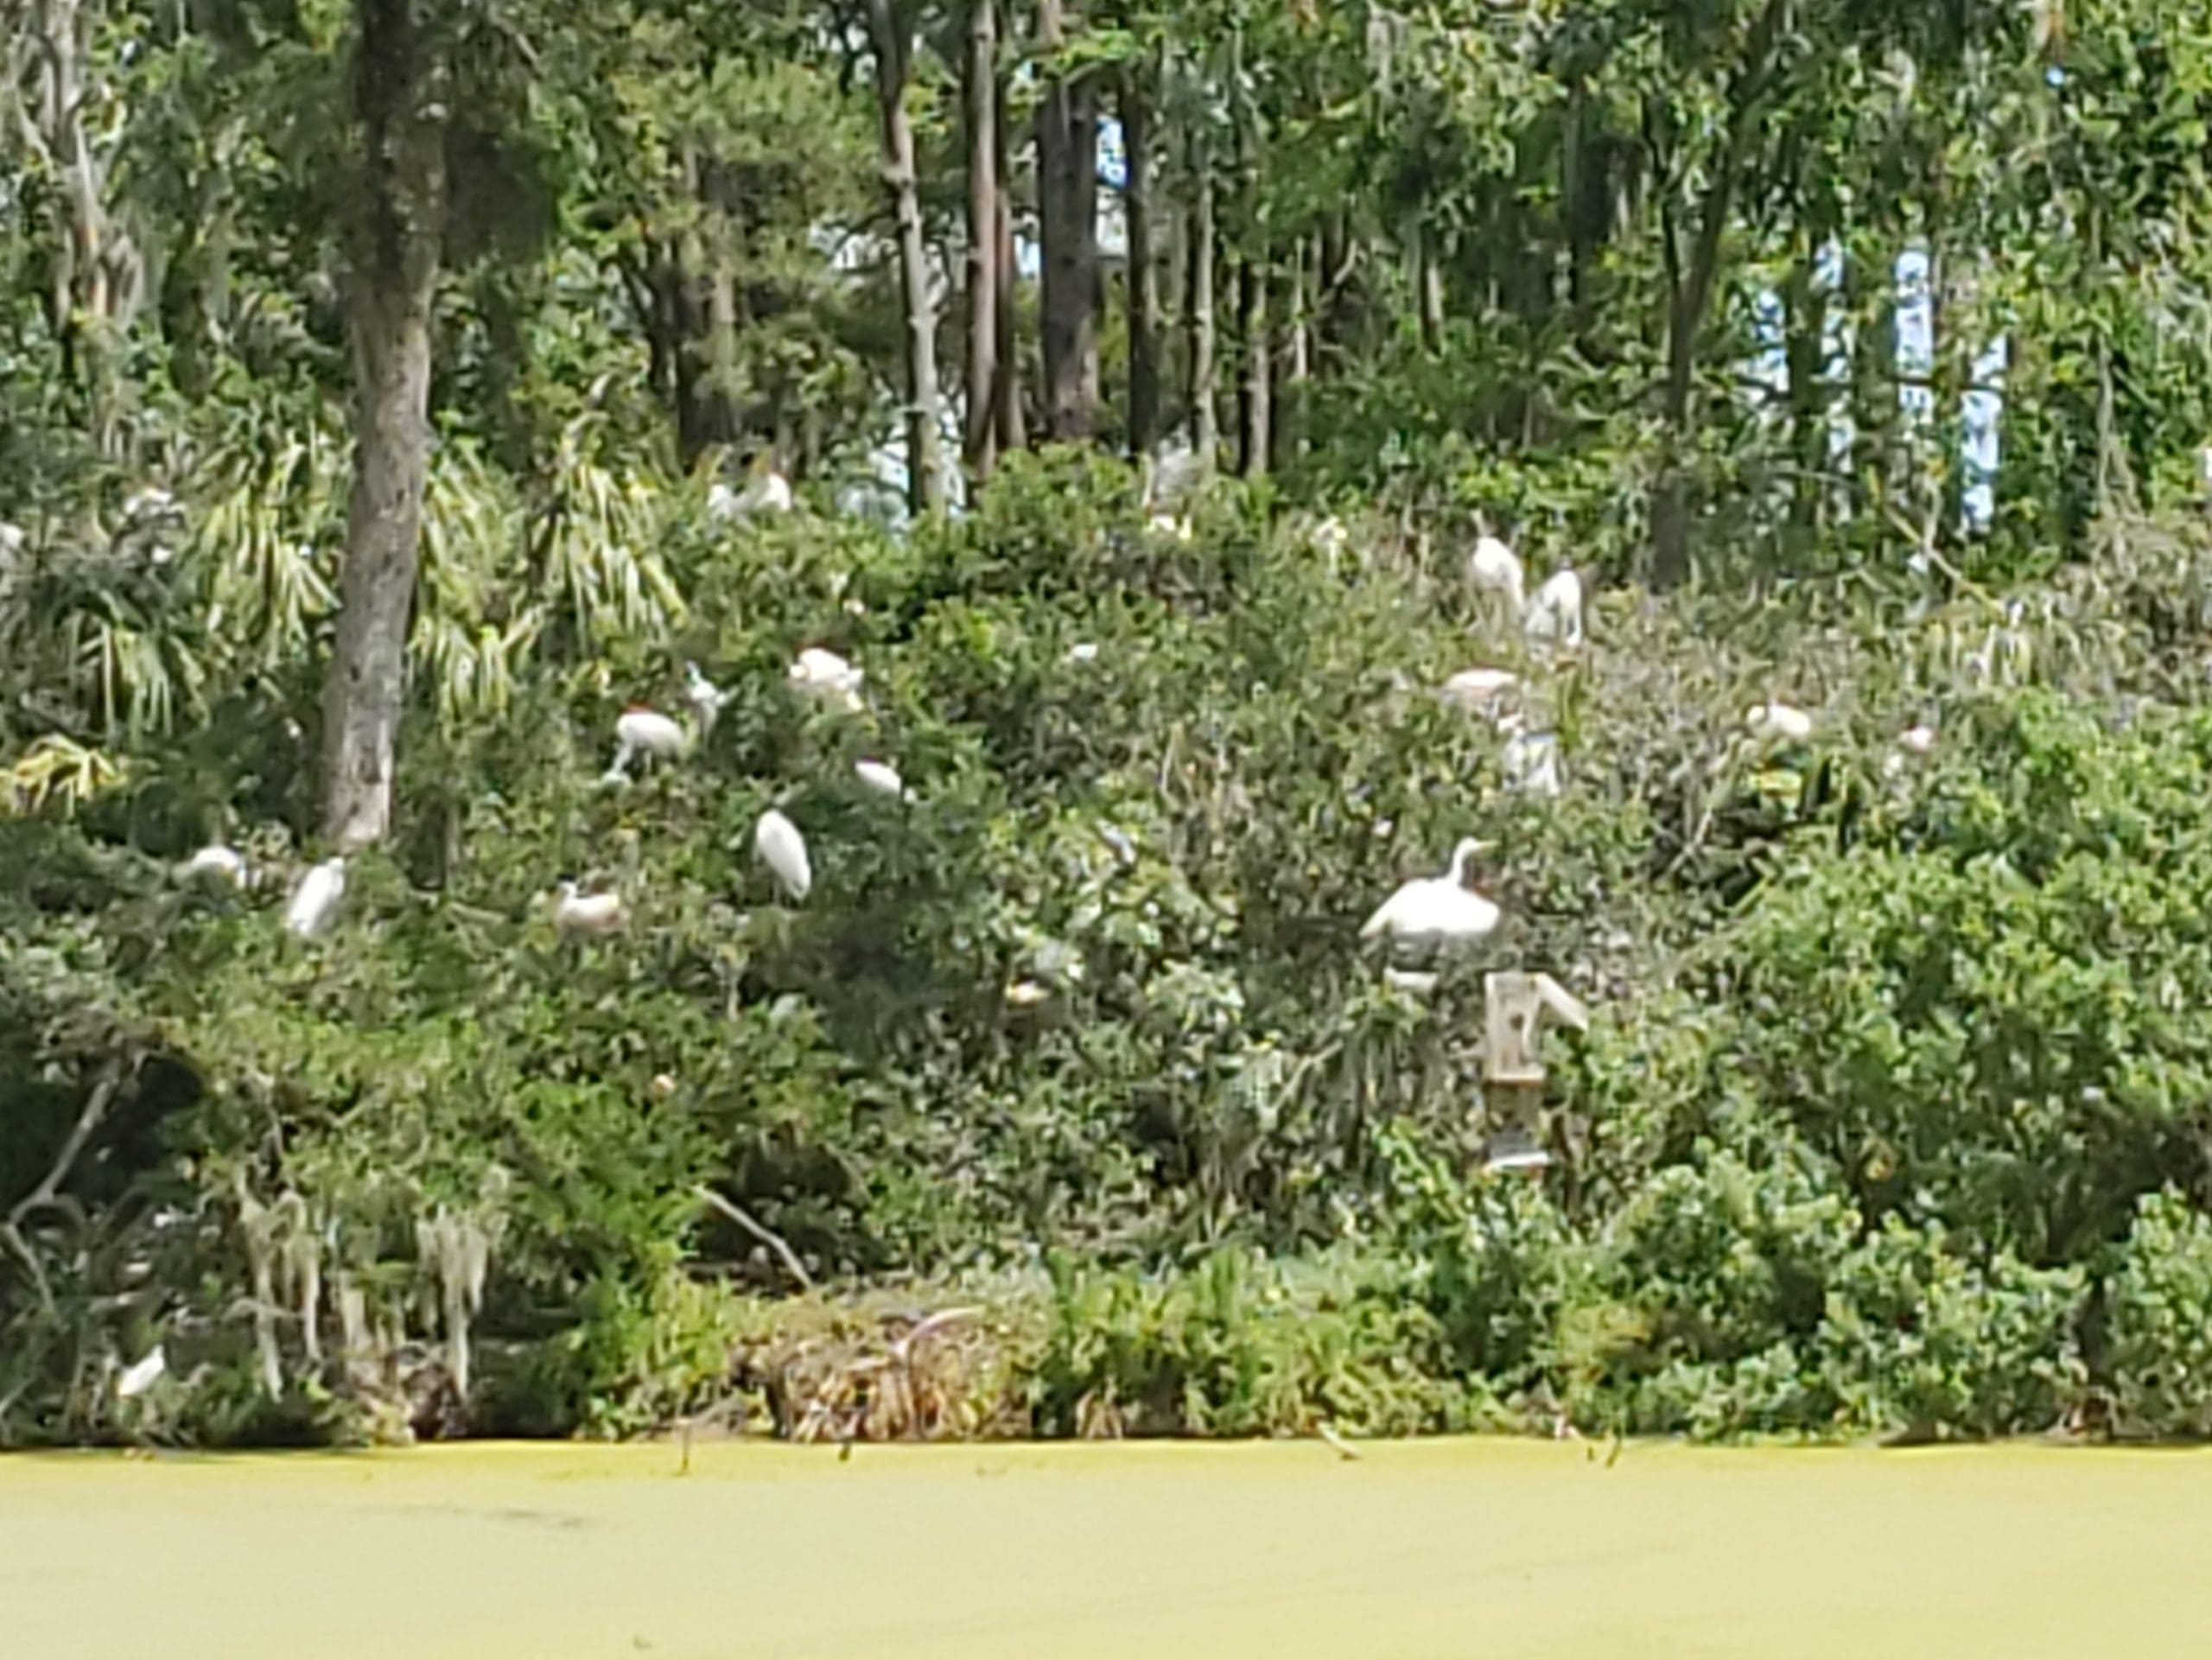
1206,414
1144,290
981,71
1067,201
1255,410
925,472
1806,354
399,100
1870,295
1012,415
1293,365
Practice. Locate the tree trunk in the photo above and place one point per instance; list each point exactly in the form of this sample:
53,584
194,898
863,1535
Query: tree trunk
1870,295
1012,415
1689,291
1206,417
1255,400
1806,311
1067,202
1144,291
925,474
981,71
1287,428
399,97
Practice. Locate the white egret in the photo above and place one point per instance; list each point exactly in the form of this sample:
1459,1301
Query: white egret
1495,569
880,777
576,912
139,1377
215,862
824,674
1026,994
1778,722
1411,982
1172,471
11,538
1175,524
1917,740
1438,912
782,849
642,731
704,696
1555,616
1084,650
314,902
767,491
1479,690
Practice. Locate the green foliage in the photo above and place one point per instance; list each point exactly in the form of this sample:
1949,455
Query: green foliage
2159,1314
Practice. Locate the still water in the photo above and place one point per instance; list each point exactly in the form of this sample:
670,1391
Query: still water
510,1552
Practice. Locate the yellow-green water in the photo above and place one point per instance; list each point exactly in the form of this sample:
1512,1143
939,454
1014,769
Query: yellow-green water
1414,1552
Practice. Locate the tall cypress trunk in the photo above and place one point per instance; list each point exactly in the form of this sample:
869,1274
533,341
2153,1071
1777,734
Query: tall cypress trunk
1206,414
399,101
924,472
982,72
1144,290
1067,202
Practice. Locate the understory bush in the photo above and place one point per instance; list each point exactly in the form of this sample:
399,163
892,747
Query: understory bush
1891,1119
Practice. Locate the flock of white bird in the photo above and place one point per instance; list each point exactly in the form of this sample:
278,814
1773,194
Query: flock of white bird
1426,919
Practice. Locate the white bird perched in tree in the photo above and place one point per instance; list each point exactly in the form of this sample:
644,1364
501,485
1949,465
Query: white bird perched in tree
1437,912
1777,722
704,696
782,849
314,905
768,491
137,1379
576,912
1555,616
217,862
642,731
1478,691
1495,569
881,777
824,674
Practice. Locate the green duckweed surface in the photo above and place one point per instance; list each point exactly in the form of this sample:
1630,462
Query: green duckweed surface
490,1552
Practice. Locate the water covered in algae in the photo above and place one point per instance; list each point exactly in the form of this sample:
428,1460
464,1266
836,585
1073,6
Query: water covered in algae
1161,1551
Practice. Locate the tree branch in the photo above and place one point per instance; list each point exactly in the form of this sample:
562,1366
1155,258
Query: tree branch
765,1234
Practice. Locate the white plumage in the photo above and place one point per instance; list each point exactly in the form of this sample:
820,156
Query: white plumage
641,731
824,674
217,862
770,492
1917,740
314,902
1438,912
1554,615
1777,722
782,849
1493,568
880,777
1479,690
137,1378
1413,983
578,912
704,696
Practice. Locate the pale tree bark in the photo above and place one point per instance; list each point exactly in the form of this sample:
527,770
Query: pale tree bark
1144,277
981,436
890,32
1067,202
1205,416
399,95
1256,400
98,276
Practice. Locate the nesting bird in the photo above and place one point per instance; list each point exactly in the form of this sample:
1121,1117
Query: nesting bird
314,902
825,675
1555,616
703,695
1438,912
217,862
1778,722
880,777
576,912
1495,569
642,731
782,849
